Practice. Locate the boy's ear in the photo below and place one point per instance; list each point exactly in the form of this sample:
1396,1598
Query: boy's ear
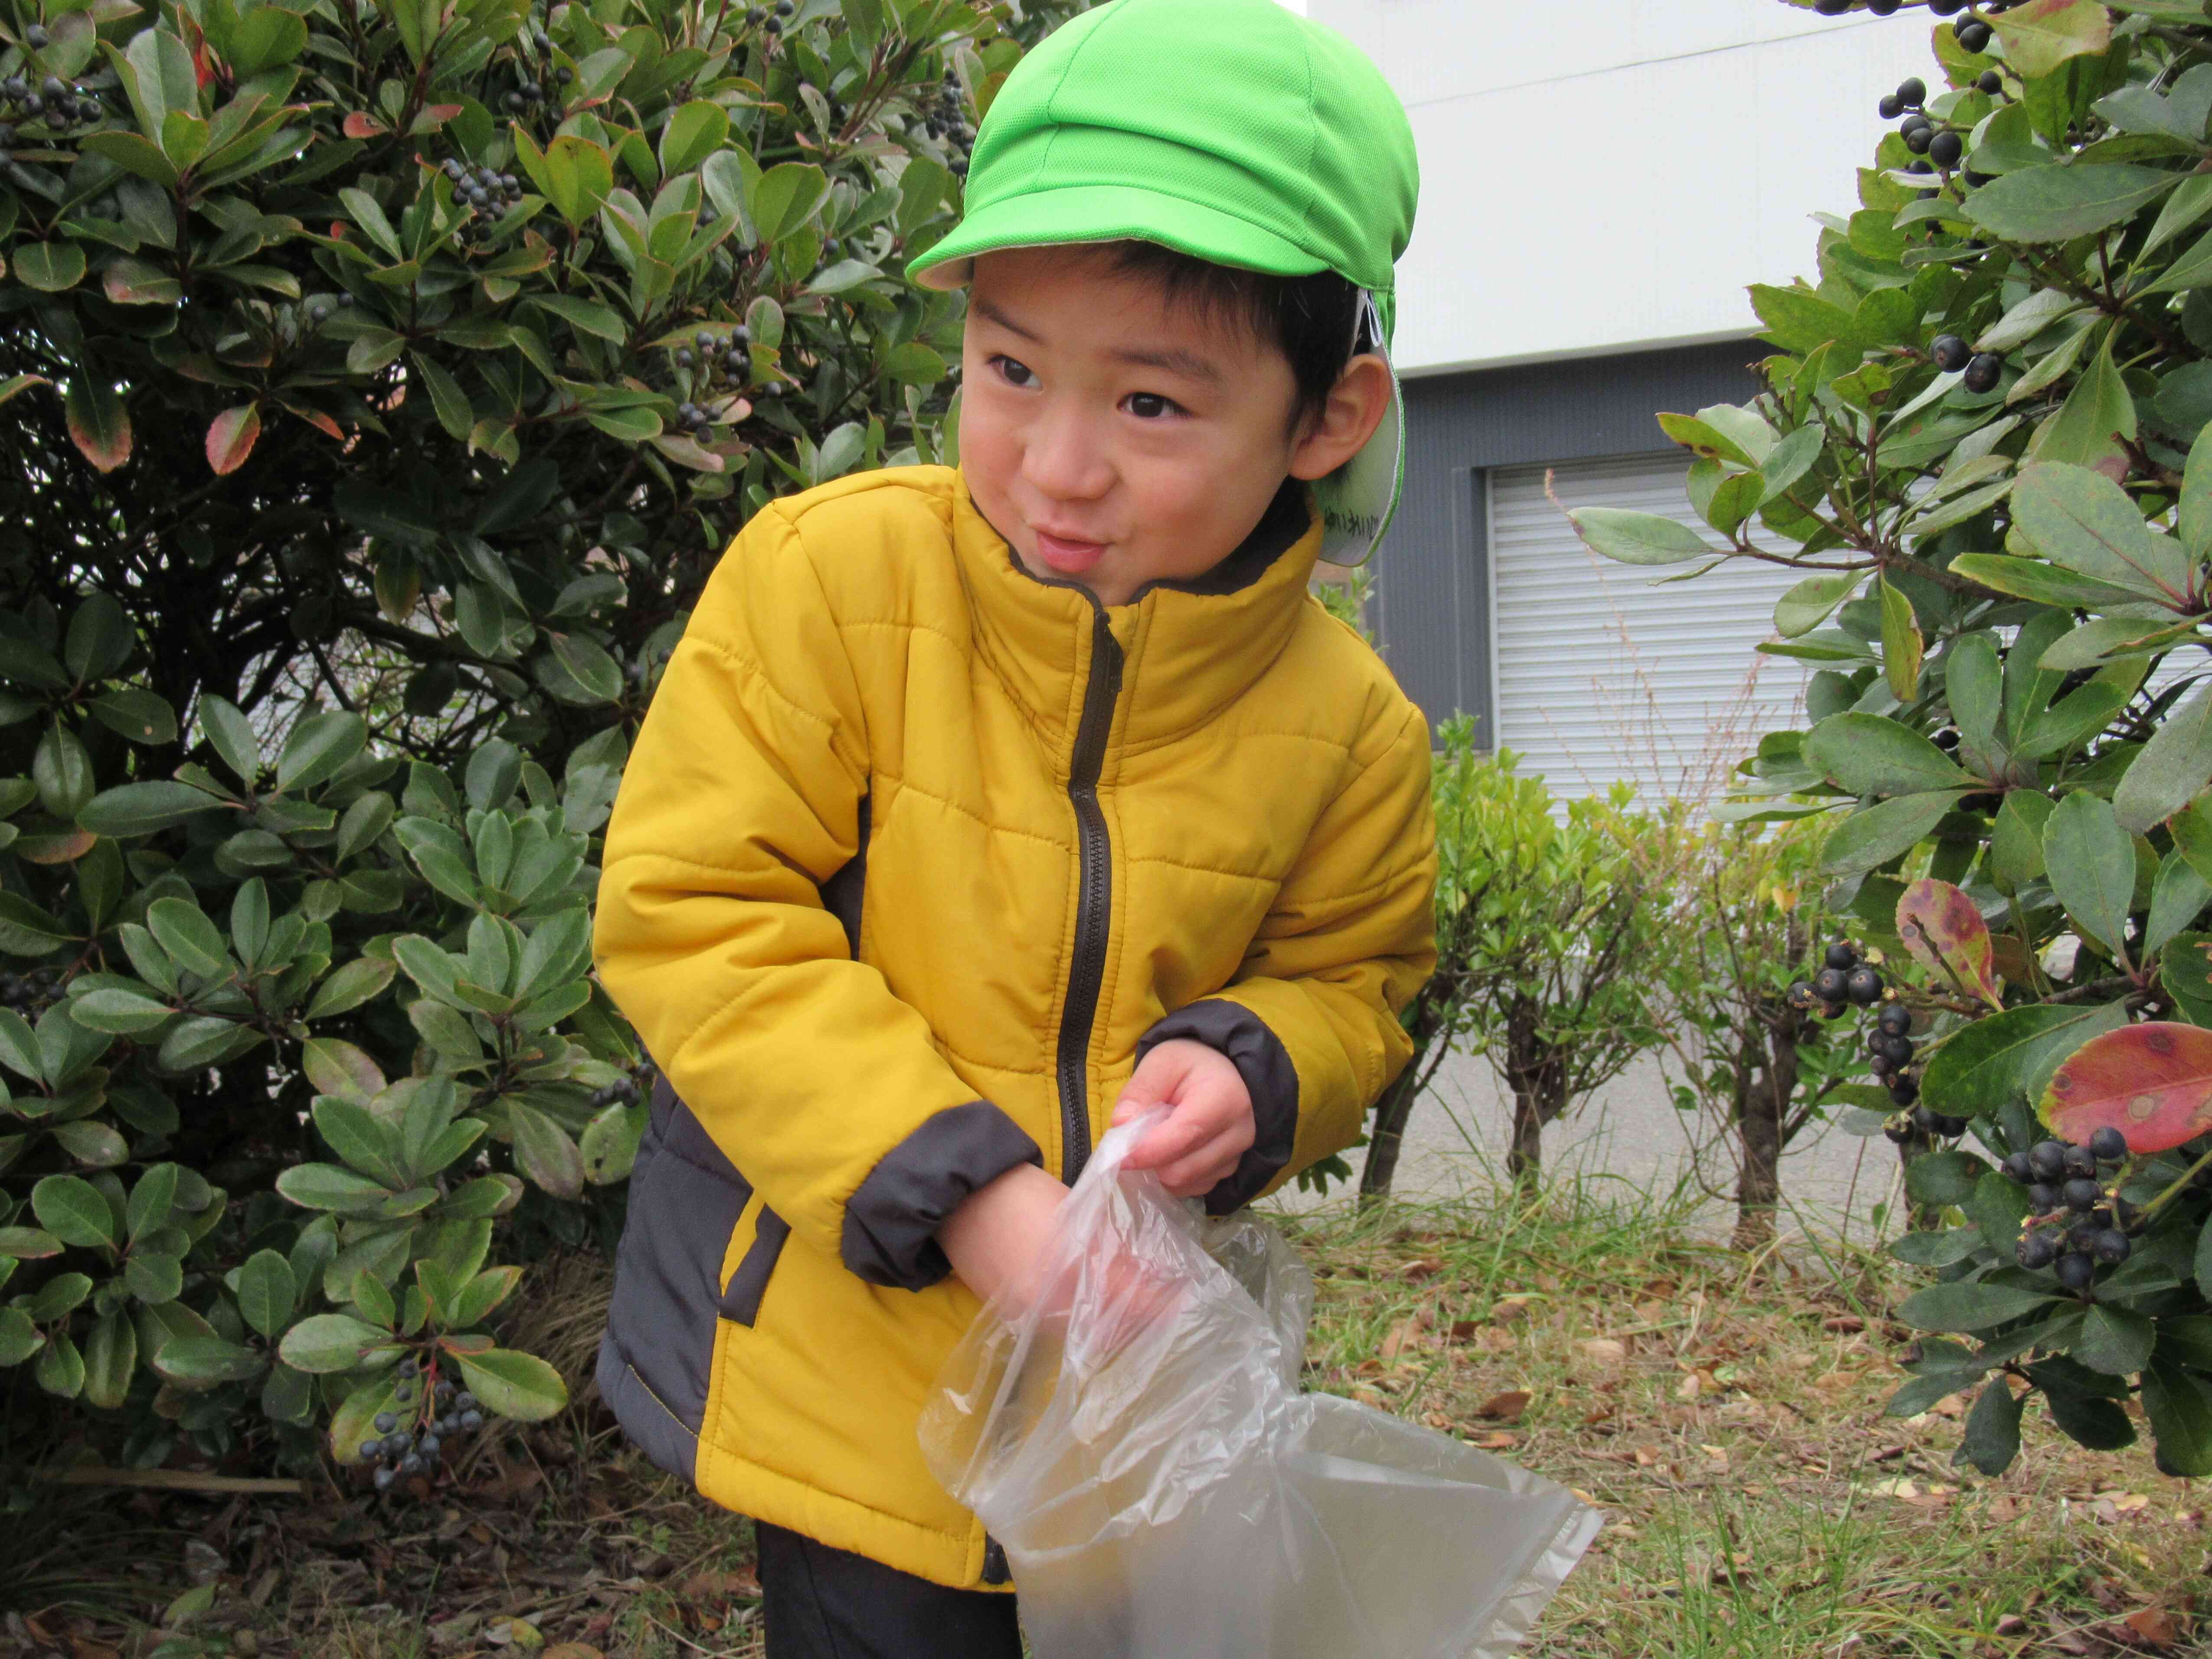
1356,406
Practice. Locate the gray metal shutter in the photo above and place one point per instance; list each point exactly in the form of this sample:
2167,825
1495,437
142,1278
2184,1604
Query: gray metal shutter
1602,676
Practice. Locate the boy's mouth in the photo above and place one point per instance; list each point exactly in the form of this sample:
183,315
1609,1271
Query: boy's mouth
1068,557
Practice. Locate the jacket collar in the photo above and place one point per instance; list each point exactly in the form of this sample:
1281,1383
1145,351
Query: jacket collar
1188,648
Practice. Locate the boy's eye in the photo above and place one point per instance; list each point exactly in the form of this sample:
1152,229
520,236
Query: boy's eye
1015,374
1150,405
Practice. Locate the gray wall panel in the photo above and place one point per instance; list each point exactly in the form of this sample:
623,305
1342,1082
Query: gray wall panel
1432,573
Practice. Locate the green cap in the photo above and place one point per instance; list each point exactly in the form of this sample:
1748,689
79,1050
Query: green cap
1233,130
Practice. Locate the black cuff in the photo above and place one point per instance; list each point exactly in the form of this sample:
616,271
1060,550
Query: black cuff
891,1220
1269,1077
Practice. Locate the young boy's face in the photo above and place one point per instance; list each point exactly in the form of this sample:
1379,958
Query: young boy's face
1114,441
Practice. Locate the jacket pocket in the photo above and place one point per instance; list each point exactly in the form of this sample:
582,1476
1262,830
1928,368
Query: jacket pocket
741,1297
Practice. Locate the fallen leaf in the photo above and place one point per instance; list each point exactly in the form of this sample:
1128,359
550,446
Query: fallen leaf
1464,1329
1505,1408
1843,1323
1604,1350
2154,1626
1406,1334
1509,1308
1424,1267
1496,1440
1951,1405
1896,1487
742,1585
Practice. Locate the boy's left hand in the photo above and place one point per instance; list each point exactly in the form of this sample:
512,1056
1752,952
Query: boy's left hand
1209,1124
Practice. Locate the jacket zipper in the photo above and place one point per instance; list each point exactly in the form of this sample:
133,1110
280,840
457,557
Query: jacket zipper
1094,897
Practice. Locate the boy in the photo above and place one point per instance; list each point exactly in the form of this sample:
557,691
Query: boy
975,801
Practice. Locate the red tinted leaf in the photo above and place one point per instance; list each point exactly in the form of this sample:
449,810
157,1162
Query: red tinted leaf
230,437
98,425
16,383
2153,1083
360,123
315,418
1943,930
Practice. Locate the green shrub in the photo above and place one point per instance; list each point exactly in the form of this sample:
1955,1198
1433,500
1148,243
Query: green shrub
1984,438
1757,1066
1545,959
416,364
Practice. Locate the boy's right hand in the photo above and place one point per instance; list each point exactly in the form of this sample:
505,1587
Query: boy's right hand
997,1239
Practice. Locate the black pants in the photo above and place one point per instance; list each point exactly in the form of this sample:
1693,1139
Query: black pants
825,1603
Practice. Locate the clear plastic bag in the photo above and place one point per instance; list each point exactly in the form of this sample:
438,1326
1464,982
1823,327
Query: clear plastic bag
1135,1438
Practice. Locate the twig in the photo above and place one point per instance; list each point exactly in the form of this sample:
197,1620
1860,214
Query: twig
172,1480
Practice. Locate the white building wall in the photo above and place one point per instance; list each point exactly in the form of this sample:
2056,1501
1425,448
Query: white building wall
1610,174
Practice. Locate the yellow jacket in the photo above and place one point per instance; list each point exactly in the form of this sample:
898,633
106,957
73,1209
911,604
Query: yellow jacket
915,855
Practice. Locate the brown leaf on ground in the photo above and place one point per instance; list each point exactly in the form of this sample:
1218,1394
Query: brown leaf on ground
1509,1308
1843,1323
1422,1266
1496,1440
2154,1626
743,1585
1464,1329
1603,1350
1404,1334
1505,1408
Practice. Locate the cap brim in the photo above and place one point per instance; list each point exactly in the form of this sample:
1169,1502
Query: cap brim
1107,213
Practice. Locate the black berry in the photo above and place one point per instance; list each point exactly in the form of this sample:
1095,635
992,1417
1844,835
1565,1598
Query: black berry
36,36
2111,1247
2077,1270
1973,34
2016,1170
1881,1064
1865,986
1903,1090
2108,1146
2080,1161
2083,1194
1832,984
2048,1159
1919,139
1895,1018
2044,1196
1899,1048
1991,82
1913,92
2037,1251
1982,372
1945,149
1889,108
1842,954
1951,354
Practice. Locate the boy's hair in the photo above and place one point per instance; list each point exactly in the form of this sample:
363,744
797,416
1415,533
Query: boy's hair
1307,319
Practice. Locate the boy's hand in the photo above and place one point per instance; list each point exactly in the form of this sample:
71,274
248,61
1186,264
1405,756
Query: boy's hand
996,1239
1209,1123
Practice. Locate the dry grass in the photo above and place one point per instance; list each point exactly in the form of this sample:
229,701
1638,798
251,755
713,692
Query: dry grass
1726,1415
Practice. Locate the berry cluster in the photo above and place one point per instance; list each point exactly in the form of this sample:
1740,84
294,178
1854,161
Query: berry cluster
627,1091
561,74
30,993
490,196
707,356
1845,977
53,100
1936,8
1951,355
401,1454
947,119
770,23
2079,1222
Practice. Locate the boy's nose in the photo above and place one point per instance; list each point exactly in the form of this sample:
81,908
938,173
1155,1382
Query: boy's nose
1062,457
